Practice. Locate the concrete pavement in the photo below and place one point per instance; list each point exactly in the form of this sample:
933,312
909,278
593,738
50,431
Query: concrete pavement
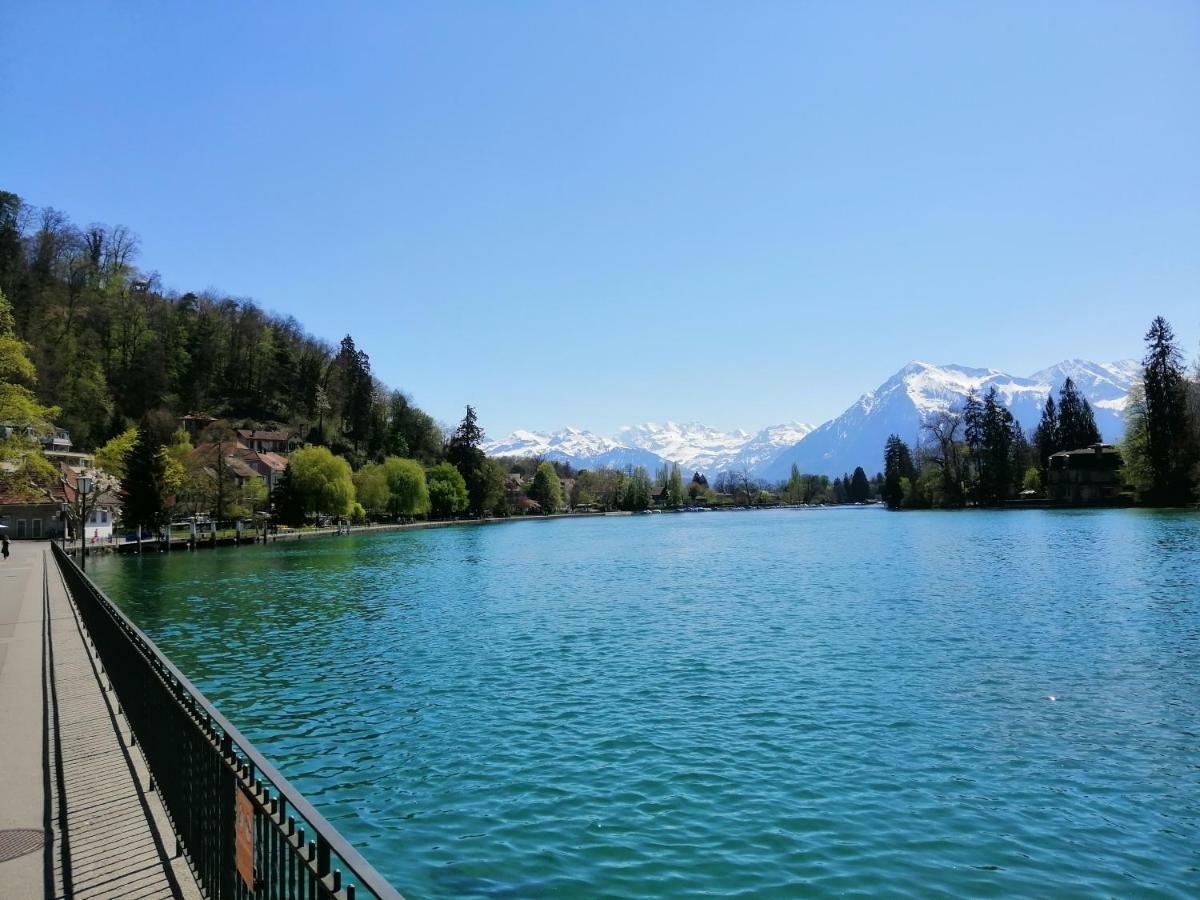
73,794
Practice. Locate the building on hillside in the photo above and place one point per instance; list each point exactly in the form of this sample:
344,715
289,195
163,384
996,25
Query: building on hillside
194,423
514,489
57,440
568,491
207,457
31,513
103,502
1085,476
70,458
268,441
270,466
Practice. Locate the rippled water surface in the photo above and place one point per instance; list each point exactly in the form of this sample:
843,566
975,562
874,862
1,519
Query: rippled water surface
765,704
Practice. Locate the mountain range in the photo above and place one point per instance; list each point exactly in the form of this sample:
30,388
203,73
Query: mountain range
855,438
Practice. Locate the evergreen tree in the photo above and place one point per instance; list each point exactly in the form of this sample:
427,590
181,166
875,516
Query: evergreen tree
1169,438
1076,422
464,452
974,438
897,466
143,490
1045,437
287,504
994,452
860,486
356,391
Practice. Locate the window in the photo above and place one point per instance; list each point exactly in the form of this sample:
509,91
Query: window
20,528
37,527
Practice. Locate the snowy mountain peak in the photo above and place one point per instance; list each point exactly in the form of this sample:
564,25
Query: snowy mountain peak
900,405
920,390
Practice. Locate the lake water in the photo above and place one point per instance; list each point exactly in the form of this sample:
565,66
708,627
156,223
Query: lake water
759,704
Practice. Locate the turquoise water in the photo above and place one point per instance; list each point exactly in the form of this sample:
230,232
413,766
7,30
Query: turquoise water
758,704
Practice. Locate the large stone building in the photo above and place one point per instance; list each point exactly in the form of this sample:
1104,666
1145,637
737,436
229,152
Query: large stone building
1091,475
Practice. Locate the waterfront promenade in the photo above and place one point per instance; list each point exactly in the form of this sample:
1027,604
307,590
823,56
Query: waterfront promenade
78,817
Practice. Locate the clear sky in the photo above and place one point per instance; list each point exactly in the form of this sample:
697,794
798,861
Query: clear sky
600,214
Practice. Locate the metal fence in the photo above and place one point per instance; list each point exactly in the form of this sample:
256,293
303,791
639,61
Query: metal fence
245,831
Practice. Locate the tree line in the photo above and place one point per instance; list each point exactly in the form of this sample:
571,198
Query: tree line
110,345
979,455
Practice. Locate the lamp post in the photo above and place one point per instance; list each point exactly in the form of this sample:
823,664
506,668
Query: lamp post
83,484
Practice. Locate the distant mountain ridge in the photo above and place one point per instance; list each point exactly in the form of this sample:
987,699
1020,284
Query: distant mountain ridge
919,390
855,438
695,447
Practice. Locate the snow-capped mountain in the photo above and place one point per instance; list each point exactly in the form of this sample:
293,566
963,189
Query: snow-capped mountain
692,445
695,447
582,449
910,397
765,445
855,438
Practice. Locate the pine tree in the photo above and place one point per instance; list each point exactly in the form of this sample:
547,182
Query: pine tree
287,503
860,486
897,466
546,488
1045,437
144,487
1076,422
464,452
995,460
1169,437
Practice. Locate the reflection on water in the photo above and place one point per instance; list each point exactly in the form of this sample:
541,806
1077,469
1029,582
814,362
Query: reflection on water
776,703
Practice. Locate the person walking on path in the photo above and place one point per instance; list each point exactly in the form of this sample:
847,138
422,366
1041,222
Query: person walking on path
4,545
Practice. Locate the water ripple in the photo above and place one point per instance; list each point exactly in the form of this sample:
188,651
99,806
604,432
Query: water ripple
744,705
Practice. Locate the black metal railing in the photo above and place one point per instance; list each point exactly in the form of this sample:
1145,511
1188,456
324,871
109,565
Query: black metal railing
245,831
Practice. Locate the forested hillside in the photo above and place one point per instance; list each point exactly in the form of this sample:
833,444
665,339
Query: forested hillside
110,344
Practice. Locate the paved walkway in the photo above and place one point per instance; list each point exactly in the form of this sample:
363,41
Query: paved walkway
67,773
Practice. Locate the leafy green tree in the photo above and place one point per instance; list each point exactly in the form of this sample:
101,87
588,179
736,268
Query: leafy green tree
371,487
447,490
637,490
674,487
18,405
546,488
323,483
1032,480
407,489
587,488
492,492
1138,471
111,457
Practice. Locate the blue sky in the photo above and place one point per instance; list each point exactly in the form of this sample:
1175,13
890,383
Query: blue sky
600,214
